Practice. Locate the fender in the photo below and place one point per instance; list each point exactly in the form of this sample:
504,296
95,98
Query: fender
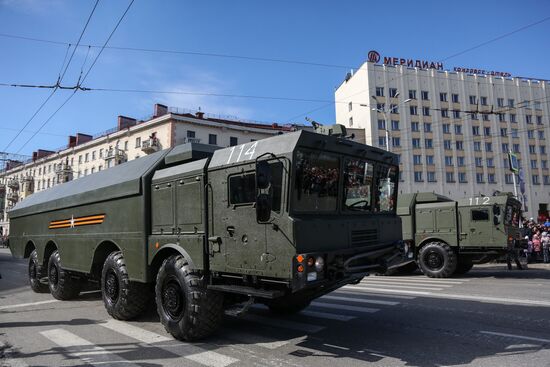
177,248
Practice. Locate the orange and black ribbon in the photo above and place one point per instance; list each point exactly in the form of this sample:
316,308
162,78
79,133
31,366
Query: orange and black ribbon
77,222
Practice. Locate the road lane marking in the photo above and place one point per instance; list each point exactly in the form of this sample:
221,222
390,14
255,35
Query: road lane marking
335,346
421,279
516,336
134,332
426,281
212,359
423,287
337,306
387,290
326,315
28,304
346,291
361,300
286,324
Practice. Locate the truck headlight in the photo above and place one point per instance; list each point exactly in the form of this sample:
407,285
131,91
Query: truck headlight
319,263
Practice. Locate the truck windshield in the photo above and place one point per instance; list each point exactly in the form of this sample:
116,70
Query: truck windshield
368,186
316,183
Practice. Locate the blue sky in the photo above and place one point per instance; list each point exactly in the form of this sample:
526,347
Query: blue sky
326,32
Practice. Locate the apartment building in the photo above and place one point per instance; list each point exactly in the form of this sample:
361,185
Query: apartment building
453,130
130,139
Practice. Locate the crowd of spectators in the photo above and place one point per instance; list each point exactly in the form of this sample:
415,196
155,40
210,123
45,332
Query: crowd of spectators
537,235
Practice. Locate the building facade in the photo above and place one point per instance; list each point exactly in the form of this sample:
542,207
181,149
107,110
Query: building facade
86,154
453,130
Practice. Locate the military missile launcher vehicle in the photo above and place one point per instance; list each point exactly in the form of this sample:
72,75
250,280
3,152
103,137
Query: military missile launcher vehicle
279,221
448,237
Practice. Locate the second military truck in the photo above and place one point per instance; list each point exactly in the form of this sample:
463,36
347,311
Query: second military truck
279,221
448,237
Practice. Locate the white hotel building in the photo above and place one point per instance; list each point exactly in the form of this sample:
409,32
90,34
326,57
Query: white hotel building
443,144
86,154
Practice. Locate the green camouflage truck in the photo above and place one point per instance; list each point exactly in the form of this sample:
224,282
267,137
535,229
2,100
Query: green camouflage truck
448,237
279,221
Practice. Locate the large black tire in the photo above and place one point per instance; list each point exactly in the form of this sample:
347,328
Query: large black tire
463,266
62,285
288,305
35,274
437,260
187,309
122,298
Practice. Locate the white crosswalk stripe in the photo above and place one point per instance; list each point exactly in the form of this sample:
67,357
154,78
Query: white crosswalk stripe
135,332
398,286
361,300
338,306
326,315
212,359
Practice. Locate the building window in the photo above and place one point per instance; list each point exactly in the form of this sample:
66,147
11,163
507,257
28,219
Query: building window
473,100
379,91
449,177
487,131
462,177
475,130
532,149
460,161
396,142
430,176
474,116
424,95
233,141
393,92
426,111
212,139
458,129
100,153
479,177
412,93
413,110
447,144
418,176
446,128
491,178
544,164
415,126
381,124
530,134
455,98
448,160
443,97
428,143
488,147
395,125
539,120
546,180
533,163
515,133
138,142
381,141
93,155
537,105
126,145
459,145
483,100
501,117
350,106
79,159
477,146
87,157
427,127
515,148
528,119
508,178
479,161
351,121
535,179
485,117
394,108
510,102
380,106
417,159
456,114
92,170
190,134
444,112
416,143
490,162
430,160
500,102
542,149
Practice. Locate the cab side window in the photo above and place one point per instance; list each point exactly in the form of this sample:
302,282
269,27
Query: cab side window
242,189
480,214
276,188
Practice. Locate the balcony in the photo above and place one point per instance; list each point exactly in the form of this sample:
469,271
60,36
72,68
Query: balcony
13,197
64,172
150,146
13,184
114,157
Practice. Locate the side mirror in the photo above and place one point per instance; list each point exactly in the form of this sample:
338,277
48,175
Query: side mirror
263,208
263,175
496,214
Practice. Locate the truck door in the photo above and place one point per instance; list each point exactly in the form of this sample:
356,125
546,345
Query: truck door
233,213
477,228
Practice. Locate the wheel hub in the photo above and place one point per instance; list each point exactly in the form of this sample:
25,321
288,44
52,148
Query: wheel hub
434,260
111,286
172,299
53,275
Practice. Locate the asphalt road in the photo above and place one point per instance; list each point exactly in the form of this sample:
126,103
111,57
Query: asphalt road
489,317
